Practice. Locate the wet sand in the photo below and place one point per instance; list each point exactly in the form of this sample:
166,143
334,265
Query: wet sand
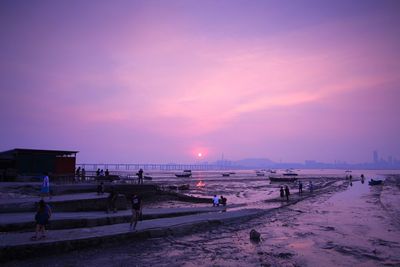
342,226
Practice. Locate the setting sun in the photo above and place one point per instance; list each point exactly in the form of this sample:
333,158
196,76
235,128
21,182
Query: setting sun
199,154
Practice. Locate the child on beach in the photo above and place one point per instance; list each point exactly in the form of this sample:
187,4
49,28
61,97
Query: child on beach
136,210
42,217
45,190
215,201
222,201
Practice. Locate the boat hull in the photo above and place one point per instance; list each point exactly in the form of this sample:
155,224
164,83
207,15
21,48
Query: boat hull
375,182
282,179
183,175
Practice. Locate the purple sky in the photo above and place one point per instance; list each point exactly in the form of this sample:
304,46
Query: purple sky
161,81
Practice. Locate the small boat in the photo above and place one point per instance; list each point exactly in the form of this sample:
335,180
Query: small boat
260,173
375,182
282,179
147,177
272,171
290,174
185,173
226,174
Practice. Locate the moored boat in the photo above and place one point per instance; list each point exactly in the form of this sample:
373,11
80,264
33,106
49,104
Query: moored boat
185,173
226,174
282,179
289,172
375,182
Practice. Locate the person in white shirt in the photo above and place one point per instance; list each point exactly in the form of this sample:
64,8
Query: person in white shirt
45,190
215,201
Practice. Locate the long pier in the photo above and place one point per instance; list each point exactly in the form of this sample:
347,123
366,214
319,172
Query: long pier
150,166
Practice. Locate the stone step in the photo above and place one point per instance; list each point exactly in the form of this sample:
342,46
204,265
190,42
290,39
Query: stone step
67,220
72,202
18,245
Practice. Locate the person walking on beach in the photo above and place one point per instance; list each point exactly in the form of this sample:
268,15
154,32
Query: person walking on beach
136,202
215,201
140,176
282,192
45,190
300,188
42,217
287,192
310,185
112,199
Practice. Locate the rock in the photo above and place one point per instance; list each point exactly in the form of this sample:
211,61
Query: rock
254,235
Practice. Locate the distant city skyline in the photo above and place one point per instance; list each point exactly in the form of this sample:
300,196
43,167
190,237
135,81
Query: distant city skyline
166,81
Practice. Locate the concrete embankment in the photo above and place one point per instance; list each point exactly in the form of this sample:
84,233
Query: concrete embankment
17,245
74,202
23,222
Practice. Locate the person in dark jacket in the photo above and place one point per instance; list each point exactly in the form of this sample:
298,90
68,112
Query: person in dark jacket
42,217
287,192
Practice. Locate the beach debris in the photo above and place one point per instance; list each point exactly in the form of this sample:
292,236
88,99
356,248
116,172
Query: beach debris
254,235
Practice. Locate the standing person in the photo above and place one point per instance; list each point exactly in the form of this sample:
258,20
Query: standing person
215,201
112,199
140,176
136,201
83,174
300,188
78,174
98,172
42,217
107,172
45,190
287,192
100,188
282,192
311,187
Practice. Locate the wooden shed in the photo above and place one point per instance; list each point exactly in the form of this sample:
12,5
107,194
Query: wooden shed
37,161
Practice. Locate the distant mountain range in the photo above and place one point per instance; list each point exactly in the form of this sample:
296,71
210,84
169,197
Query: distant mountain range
254,163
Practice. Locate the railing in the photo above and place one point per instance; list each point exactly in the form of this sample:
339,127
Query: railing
149,166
